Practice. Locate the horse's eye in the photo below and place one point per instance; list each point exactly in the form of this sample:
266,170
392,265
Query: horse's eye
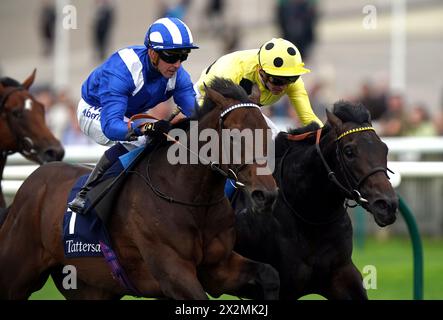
348,152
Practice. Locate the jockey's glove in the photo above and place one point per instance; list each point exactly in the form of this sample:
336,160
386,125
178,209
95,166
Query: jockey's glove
155,129
151,129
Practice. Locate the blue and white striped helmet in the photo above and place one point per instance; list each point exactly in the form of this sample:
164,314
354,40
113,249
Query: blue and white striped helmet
169,34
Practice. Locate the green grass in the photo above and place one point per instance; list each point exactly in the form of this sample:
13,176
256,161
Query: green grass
392,259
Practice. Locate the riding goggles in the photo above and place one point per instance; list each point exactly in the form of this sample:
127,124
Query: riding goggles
173,56
281,81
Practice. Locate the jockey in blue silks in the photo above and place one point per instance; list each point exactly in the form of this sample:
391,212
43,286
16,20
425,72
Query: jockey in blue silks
132,81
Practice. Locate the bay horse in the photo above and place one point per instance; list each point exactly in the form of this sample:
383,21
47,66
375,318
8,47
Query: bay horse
308,235
178,246
22,126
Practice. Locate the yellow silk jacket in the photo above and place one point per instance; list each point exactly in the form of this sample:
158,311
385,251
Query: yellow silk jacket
242,68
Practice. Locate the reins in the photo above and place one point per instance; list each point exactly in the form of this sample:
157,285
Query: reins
229,174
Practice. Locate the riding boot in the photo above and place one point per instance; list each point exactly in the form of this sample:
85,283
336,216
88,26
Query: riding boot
78,204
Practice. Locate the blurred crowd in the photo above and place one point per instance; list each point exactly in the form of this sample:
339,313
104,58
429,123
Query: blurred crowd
61,115
391,112
102,26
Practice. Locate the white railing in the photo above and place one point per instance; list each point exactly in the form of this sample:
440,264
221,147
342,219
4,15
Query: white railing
18,168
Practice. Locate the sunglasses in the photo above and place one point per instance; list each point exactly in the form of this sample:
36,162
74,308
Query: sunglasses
173,57
281,81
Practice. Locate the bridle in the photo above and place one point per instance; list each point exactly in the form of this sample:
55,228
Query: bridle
229,173
353,183
25,145
350,178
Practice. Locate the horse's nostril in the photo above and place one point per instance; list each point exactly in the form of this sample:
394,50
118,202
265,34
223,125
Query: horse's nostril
54,154
386,205
381,204
258,195
264,197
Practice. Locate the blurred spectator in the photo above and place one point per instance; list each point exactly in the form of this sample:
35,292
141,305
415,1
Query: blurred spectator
230,39
393,122
371,99
214,14
44,95
58,115
419,122
177,11
162,110
297,20
102,27
73,134
320,99
47,26
438,118
438,123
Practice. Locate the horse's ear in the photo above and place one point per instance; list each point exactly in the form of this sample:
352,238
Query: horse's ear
216,97
255,94
333,120
28,82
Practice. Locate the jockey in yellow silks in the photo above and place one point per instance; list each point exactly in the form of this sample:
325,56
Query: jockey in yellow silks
275,68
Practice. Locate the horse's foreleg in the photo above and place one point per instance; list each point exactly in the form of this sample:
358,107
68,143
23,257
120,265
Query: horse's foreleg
20,276
241,277
346,284
176,276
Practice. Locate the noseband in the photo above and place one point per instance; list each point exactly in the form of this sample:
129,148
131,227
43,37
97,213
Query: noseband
25,145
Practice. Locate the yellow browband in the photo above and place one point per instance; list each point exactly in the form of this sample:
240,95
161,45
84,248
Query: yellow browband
354,131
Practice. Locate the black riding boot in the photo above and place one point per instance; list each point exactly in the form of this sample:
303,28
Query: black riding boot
77,205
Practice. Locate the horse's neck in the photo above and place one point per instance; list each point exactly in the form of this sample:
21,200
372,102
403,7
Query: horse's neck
306,184
191,182
208,182
8,141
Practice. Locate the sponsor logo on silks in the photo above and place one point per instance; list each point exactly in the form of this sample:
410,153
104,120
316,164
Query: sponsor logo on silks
90,114
79,246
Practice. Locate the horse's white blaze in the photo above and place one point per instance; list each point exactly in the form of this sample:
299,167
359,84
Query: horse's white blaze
28,104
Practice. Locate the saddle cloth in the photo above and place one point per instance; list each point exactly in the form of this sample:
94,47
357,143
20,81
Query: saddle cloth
82,233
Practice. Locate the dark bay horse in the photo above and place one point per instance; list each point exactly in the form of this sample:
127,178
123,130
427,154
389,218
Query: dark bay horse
308,236
179,248
22,126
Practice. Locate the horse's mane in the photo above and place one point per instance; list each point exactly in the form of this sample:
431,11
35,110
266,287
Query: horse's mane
351,112
346,111
9,82
226,88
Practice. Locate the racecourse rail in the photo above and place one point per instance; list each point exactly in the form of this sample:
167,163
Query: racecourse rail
18,168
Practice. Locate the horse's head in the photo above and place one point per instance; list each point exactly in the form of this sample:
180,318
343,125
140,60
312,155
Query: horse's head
22,123
362,161
245,137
